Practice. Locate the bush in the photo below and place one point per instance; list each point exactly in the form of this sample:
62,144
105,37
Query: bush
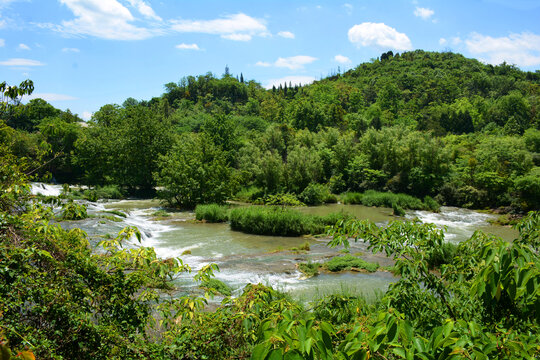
431,204
104,192
212,213
73,211
442,255
347,262
351,198
314,194
309,269
397,210
249,194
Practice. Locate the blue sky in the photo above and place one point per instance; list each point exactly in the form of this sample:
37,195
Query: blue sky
82,54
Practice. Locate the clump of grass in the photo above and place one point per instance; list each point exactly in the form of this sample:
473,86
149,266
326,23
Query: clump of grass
309,269
186,252
248,194
216,286
348,262
161,213
116,212
397,210
431,204
212,213
279,221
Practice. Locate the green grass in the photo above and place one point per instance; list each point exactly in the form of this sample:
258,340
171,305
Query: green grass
347,262
309,269
266,220
390,200
212,213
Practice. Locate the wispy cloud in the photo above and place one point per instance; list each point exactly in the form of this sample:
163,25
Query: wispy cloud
2,42
144,9
239,27
73,50
342,59
187,46
106,19
293,80
18,62
348,7
293,62
423,13
520,49
379,35
23,47
286,34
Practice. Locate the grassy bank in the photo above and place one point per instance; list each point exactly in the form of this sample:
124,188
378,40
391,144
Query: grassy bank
212,213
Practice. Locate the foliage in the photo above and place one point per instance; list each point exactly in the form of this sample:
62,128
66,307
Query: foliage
348,262
212,213
266,220
216,286
194,172
73,211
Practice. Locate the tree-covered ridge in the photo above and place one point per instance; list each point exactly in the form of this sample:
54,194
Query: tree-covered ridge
421,123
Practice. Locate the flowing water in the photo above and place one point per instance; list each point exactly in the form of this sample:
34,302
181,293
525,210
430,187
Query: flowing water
245,258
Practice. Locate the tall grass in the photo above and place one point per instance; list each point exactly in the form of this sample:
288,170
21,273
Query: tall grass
279,221
212,213
390,200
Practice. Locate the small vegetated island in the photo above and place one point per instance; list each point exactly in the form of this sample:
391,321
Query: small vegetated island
415,130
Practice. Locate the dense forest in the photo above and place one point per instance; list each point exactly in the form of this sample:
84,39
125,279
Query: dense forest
436,128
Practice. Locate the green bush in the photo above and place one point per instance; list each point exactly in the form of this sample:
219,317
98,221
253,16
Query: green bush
309,269
347,262
213,213
314,194
73,211
104,192
397,210
351,198
431,204
387,199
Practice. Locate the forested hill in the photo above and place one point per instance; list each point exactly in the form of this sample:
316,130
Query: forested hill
441,92
421,123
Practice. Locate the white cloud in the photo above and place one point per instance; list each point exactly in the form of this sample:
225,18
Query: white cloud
286,34
237,37
23,47
2,42
348,7
239,27
51,97
293,62
424,13
342,59
294,80
442,41
21,62
187,46
106,19
519,49
263,64
456,40
86,115
380,35
144,9
74,50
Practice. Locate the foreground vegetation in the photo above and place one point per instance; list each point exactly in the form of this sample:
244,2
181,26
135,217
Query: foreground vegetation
77,303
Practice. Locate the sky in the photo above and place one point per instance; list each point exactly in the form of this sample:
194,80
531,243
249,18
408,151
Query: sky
83,54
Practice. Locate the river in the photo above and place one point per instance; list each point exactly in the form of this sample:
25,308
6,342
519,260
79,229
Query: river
245,258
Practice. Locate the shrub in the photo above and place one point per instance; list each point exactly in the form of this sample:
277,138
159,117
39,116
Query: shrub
314,194
212,213
347,262
431,204
73,211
